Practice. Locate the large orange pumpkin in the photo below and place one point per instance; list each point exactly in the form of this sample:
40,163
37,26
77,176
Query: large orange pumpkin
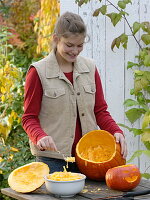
96,152
29,177
123,178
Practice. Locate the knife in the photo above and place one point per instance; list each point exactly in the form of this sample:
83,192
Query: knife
127,194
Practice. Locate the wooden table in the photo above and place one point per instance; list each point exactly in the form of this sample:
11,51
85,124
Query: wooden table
92,190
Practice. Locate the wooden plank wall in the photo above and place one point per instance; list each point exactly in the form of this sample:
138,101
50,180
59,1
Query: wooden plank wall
117,80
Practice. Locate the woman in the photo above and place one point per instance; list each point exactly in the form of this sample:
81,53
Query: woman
64,98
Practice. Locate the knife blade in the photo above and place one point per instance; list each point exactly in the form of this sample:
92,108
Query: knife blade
127,194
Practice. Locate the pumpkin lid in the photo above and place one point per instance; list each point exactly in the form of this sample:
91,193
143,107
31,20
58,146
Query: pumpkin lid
29,177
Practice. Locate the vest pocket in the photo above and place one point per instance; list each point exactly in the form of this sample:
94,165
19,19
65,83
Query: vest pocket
90,89
89,96
54,92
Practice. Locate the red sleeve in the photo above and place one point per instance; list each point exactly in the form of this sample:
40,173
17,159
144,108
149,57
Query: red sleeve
32,105
103,117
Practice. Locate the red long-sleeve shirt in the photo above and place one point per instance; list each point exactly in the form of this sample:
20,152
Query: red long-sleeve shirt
32,105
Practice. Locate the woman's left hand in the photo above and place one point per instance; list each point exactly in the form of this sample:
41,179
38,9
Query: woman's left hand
121,139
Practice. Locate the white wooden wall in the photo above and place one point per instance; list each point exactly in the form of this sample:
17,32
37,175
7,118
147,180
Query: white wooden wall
117,80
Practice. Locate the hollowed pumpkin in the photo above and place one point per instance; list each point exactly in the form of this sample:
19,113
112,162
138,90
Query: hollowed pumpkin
123,178
29,177
96,152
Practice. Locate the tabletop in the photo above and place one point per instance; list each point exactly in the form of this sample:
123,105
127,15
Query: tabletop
92,190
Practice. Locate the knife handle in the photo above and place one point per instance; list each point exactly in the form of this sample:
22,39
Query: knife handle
137,193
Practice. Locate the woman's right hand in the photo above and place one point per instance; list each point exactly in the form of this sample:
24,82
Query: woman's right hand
46,143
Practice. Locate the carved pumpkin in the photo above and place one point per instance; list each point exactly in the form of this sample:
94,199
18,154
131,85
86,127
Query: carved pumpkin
96,152
123,178
29,177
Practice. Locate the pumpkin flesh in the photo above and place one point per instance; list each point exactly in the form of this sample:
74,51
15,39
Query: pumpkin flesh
29,177
96,152
123,178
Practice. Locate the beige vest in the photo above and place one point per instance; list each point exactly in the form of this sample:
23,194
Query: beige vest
60,101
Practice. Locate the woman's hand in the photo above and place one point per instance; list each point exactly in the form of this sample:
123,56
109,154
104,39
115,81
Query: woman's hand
120,139
46,143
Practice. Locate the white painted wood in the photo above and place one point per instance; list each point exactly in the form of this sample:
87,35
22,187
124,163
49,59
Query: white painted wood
99,40
133,142
116,79
67,5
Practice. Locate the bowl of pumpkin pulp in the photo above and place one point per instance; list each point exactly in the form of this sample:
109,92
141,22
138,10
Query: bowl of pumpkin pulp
65,184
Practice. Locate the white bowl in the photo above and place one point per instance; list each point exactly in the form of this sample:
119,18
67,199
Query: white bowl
65,188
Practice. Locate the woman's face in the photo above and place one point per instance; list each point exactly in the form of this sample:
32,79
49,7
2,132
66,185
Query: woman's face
69,48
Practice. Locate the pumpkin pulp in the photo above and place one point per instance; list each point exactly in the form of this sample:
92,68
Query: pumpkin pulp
100,150
64,176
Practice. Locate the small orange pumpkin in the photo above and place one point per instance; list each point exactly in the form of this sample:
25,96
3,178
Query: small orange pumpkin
29,177
96,152
123,178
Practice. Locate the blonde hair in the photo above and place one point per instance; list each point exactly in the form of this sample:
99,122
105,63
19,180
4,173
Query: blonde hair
69,23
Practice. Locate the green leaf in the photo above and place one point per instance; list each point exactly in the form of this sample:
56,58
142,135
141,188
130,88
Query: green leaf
146,38
115,17
96,12
147,153
144,82
132,91
140,98
124,126
136,131
136,27
81,2
147,74
118,41
146,175
127,1
131,64
139,72
130,102
146,121
122,4
147,60
135,155
103,9
147,89
124,40
113,44
146,137
134,114
147,145
124,13
138,154
146,27
137,86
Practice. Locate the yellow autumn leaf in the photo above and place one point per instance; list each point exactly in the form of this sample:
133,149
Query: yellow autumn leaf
14,149
19,120
10,157
3,90
3,98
